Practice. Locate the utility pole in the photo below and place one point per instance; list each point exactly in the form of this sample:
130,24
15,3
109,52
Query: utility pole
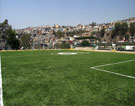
33,44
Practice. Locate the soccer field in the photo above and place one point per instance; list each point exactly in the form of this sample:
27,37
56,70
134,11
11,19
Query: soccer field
50,78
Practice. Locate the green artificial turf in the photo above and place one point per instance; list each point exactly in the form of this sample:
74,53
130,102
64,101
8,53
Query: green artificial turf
44,78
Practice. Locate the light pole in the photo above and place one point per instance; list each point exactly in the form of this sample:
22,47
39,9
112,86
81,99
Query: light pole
33,44
32,35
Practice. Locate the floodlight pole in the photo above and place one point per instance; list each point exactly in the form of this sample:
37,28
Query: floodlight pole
33,45
32,41
43,46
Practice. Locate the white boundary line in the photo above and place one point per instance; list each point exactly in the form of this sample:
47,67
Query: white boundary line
95,67
78,53
1,92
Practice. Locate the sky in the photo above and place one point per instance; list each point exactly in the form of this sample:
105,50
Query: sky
29,13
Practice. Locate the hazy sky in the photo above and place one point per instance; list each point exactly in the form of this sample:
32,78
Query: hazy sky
25,13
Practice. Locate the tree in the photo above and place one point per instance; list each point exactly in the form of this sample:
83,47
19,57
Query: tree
123,28
113,34
4,27
120,30
117,28
8,35
85,43
126,37
25,41
132,29
93,24
60,34
102,32
12,40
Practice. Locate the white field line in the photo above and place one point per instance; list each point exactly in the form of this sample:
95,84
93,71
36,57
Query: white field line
95,67
1,93
32,55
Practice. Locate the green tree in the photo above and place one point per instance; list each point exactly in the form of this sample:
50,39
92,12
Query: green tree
93,24
126,37
132,29
60,34
85,43
120,30
123,28
117,28
25,41
113,34
12,40
4,27
102,32
8,35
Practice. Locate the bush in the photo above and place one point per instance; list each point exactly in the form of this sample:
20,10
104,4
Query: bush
85,43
